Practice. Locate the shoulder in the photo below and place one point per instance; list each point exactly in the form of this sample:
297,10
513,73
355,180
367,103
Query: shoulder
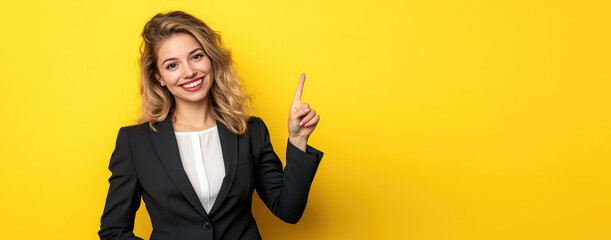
253,121
136,130
255,127
256,124
142,127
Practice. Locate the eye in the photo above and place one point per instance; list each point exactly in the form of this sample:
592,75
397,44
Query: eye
198,56
170,66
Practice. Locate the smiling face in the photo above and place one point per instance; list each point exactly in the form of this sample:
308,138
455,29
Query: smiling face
184,68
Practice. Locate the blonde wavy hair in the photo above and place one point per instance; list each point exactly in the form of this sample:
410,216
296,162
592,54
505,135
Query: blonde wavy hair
229,104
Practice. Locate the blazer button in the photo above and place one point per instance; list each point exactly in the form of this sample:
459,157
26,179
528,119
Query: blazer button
207,225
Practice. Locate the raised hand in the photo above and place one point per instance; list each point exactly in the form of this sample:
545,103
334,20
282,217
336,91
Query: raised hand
302,119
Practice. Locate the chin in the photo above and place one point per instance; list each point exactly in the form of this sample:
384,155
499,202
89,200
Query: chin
199,98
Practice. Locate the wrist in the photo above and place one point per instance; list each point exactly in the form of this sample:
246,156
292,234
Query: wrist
298,142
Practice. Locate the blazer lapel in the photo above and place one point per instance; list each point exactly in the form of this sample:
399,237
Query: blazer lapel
229,146
166,147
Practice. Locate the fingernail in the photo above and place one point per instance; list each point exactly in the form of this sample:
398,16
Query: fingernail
306,110
300,123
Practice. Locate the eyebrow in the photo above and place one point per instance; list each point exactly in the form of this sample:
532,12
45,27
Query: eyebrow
191,52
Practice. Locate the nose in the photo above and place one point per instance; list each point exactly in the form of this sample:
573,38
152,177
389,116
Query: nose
189,71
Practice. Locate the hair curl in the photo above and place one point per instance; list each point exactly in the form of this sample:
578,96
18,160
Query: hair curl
229,104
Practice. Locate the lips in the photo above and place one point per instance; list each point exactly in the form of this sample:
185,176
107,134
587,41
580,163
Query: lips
193,85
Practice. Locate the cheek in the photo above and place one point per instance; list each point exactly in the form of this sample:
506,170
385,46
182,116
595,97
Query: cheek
205,65
171,77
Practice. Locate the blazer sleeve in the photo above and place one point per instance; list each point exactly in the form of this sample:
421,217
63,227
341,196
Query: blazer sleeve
123,199
285,193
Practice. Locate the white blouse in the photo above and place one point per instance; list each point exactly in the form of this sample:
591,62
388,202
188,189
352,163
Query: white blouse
202,159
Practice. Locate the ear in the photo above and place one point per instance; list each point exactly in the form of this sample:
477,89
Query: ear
158,77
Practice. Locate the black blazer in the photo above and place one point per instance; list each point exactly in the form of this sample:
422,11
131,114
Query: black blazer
147,164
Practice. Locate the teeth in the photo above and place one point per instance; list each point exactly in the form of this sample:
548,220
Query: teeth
193,84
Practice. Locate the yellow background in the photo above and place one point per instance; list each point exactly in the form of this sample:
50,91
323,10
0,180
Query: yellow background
439,119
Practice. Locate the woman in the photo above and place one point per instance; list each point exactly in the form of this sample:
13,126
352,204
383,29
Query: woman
196,155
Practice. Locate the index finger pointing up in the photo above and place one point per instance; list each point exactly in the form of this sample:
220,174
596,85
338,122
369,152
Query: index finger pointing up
299,89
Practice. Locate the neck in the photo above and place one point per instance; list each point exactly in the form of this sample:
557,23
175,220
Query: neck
195,115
